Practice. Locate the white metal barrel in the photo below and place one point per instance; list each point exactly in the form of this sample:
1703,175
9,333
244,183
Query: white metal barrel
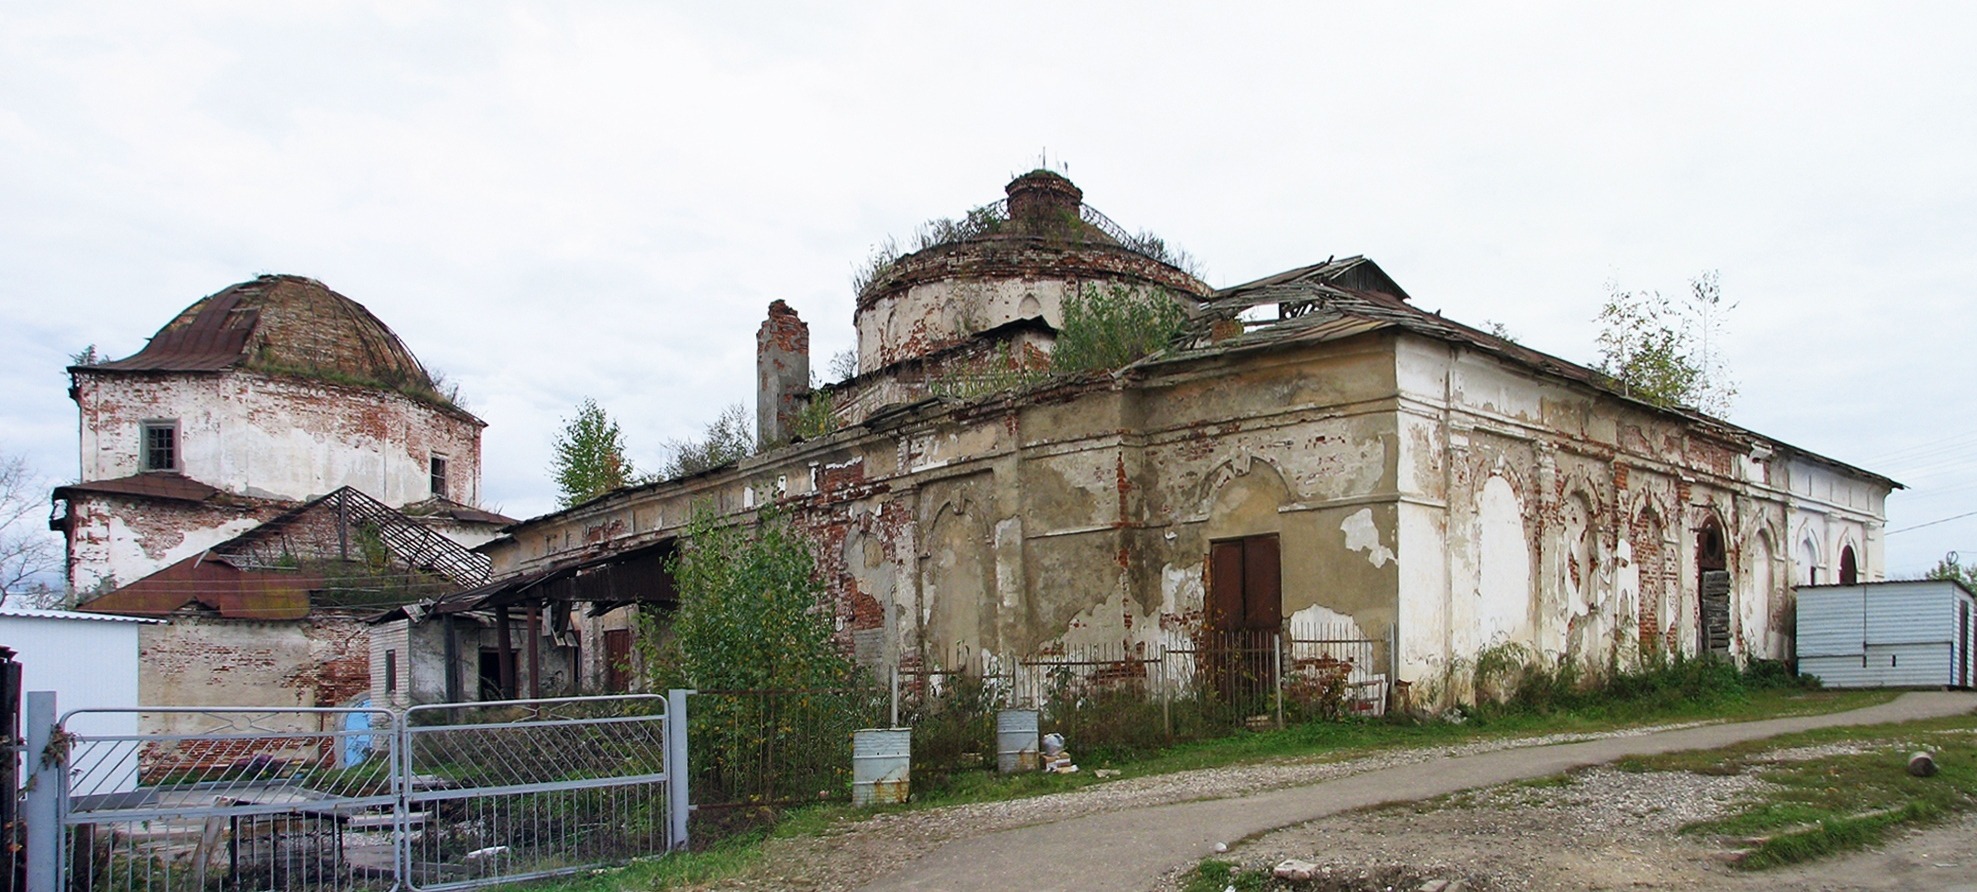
881,765
1016,747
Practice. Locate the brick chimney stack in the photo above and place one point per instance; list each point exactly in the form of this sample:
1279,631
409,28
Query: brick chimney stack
782,373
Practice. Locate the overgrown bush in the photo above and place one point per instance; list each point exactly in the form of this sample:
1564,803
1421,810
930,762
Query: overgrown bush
1107,329
954,729
751,615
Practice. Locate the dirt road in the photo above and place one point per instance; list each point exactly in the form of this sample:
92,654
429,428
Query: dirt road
1142,847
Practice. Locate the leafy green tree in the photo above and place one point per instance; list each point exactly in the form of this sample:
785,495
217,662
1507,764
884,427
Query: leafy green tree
751,615
1108,329
589,458
1665,352
728,438
1951,567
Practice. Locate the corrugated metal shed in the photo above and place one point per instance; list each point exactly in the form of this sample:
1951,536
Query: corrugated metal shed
1911,633
38,613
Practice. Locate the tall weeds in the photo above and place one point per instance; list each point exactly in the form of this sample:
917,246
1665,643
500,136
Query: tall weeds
1510,679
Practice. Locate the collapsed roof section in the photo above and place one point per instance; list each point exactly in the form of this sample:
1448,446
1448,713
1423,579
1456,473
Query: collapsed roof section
344,549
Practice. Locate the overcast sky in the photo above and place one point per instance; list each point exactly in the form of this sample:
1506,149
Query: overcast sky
553,201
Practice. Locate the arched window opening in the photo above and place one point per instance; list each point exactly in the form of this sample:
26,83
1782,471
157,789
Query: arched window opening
1713,589
1849,573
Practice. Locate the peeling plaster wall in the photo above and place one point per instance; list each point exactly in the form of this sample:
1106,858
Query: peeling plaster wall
943,296
116,541
1066,518
1566,521
277,437
195,660
1462,500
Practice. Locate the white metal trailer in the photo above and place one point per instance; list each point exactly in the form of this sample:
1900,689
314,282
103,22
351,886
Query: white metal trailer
1904,634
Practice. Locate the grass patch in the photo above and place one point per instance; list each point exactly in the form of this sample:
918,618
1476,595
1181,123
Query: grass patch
1215,875
1841,802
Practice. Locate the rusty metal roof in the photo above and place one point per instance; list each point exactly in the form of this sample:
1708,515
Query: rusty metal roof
170,486
281,324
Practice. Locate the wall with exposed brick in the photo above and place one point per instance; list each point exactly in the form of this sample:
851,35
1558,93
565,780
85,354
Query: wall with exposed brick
114,541
279,437
196,660
941,297
1596,504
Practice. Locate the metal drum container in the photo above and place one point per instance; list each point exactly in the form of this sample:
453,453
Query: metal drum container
881,765
1016,747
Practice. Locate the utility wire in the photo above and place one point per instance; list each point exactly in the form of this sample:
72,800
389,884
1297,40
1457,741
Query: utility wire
1931,523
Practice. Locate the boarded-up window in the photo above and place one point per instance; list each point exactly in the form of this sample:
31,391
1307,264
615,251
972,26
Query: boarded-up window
1712,560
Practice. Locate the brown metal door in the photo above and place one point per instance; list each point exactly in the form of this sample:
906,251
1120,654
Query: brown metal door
1262,584
1226,574
1245,610
617,660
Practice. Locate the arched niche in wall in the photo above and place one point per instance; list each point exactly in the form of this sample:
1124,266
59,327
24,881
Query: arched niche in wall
1503,566
957,586
1808,557
1757,601
1587,615
1244,564
1849,566
1655,612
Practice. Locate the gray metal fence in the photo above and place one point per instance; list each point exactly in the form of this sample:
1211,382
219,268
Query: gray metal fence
444,797
229,799
523,789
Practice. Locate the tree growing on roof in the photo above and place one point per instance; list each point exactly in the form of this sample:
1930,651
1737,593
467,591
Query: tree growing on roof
727,438
589,458
27,552
1666,352
1107,329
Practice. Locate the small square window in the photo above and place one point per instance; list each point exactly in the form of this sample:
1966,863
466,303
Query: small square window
439,476
160,446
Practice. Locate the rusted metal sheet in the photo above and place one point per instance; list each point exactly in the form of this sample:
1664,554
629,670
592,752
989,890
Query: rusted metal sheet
232,592
175,487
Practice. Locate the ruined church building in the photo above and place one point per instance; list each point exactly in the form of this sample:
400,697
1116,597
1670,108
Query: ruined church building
1317,448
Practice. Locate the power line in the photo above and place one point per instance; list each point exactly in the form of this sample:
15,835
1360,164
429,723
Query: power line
1932,523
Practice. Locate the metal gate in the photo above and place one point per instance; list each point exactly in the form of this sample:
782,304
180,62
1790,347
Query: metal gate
523,789
229,799
451,796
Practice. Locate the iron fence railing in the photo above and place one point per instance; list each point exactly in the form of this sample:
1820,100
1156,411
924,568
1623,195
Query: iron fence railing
751,752
1142,694
450,796
230,799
